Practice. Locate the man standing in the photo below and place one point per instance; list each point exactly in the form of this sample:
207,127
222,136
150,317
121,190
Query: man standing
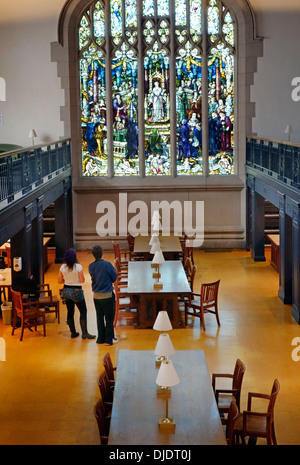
103,276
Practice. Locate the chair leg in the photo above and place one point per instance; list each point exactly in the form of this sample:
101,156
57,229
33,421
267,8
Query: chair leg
22,329
44,324
274,436
202,318
57,314
116,315
217,315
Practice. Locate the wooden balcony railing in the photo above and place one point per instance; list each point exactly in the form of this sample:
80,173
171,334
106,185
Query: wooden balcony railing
278,159
23,170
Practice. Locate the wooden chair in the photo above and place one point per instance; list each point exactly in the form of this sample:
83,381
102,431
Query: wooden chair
190,271
48,301
133,255
106,392
109,368
233,414
122,274
255,424
122,255
207,302
123,306
224,397
102,422
8,255
28,312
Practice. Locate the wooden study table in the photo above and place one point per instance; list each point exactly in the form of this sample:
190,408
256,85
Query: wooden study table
149,300
137,409
170,246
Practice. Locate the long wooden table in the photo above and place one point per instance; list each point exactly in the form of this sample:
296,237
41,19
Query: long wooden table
170,246
149,300
136,408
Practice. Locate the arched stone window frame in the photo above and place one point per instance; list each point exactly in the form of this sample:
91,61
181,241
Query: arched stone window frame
248,48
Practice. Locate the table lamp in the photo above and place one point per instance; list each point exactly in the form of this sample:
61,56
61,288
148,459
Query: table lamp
32,134
167,377
155,247
164,347
157,260
162,322
154,239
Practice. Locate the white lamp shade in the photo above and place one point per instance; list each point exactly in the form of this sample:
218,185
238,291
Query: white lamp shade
158,258
164,345
32,133
288,129
162,322
154,239
155,248
155,216
167,375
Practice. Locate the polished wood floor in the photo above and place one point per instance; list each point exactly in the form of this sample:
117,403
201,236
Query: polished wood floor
49,386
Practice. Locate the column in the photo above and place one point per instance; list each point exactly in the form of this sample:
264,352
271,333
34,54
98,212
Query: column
63,224
285,253
37,244
21,246
296,261
258,227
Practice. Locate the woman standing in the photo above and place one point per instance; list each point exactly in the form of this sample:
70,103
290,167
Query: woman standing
71,275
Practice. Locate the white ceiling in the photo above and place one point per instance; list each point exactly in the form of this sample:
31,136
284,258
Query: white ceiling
32,10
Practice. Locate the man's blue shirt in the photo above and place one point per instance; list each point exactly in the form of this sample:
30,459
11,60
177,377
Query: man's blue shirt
103,275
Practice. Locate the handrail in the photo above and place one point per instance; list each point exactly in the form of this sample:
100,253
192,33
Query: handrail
274,141
33,147
24,170
277,159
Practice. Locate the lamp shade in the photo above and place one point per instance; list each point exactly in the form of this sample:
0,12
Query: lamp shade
162,322
155,248
167,375
164,345
158,258
288,129
153,240
155,217
32,133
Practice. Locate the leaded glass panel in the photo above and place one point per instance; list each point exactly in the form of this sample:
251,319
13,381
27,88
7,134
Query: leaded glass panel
221,110
125,112
93,113
157,112
189,111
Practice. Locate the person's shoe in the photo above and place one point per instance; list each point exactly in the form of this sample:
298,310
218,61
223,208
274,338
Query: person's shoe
115,340
73,335
88,336
108,344
99,342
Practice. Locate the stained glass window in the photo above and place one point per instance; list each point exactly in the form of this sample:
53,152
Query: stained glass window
141,88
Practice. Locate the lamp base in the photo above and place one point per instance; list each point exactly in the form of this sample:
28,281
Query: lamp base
163,392
156,275
166,425
153,265
158,361
158,286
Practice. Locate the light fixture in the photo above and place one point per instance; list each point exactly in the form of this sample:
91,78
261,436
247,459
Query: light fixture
155,247
163,349
32,134
167,377
154,239
162,322
288,131
157,260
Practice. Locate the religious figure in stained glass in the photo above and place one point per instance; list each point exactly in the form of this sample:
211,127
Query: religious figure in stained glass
189,111
157,112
